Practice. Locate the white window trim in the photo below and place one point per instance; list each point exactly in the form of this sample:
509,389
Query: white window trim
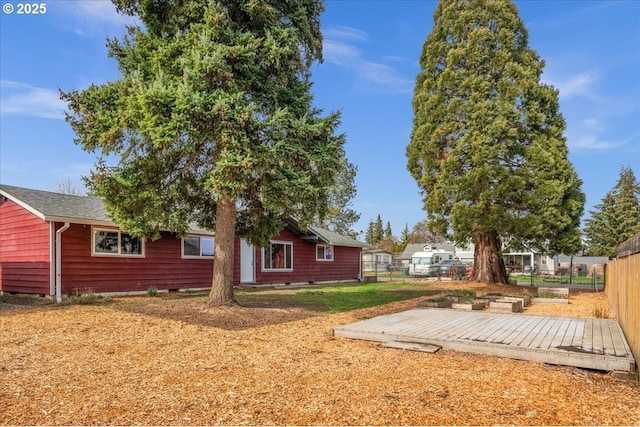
118,255
200,236
275,270
333,253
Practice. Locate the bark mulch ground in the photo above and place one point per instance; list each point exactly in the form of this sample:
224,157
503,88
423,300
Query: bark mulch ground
163,361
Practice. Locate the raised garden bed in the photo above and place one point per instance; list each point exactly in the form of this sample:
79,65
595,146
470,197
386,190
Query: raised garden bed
460,295
547,292
493,296
552,300
552,295
471,305
440,302
506,306
525,299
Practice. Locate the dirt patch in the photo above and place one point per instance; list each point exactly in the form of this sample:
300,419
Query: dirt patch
163,361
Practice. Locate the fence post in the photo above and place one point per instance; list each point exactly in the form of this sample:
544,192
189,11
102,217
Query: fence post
532,276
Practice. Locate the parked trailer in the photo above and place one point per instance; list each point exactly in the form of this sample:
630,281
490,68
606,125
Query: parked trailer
427,263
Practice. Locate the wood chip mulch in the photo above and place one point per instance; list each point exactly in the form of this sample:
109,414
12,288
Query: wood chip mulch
163,361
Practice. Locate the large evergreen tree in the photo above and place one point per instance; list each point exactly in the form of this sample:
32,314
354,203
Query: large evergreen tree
615,219
212,122
487,147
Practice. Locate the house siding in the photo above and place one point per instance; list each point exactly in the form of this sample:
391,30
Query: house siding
24,251
25,260
345,264
161,267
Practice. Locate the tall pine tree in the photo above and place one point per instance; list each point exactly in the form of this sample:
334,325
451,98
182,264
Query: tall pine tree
487,148
212,122
615,219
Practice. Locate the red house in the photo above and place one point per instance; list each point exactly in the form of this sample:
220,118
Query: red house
56,244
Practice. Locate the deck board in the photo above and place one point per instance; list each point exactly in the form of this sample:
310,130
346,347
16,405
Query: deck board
582,342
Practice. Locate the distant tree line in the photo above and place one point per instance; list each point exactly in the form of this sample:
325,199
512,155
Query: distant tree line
381,236
615,219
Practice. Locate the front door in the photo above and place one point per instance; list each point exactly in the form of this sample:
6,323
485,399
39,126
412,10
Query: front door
247,261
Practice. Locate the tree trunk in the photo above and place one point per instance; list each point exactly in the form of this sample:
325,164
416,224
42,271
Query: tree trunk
221,293
488,265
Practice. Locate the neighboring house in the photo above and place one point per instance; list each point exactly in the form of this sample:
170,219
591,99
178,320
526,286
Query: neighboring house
581,265
522,261
376,260
55,244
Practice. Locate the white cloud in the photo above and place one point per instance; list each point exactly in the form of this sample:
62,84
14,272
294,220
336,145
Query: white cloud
592,142
382,74
26,100
577,85
593,124
340,53
345,33
372,76
593,134
94,16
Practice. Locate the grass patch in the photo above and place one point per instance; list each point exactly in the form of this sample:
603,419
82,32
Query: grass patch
337,299
539,279
85,296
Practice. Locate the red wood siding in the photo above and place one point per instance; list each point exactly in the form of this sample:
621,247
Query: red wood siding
345,264
25,265
161,267
24,251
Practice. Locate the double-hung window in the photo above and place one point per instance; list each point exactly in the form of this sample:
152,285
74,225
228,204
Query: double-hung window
278,256
116,243
324,253
198,246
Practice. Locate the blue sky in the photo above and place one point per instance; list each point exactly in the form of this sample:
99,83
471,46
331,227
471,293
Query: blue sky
371,52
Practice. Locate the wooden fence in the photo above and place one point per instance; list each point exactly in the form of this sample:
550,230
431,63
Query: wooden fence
622,286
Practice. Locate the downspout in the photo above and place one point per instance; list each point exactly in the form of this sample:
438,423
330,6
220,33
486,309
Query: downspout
52,258
59,261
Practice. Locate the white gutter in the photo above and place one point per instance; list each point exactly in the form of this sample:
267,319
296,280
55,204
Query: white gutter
59,262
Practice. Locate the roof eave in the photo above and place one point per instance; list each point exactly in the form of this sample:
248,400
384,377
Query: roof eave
81,221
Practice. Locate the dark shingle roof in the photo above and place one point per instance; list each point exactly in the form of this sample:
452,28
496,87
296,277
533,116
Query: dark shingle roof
58,207
335,239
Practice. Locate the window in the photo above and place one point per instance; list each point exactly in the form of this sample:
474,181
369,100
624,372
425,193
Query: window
324,253
197,247
116,243
278,256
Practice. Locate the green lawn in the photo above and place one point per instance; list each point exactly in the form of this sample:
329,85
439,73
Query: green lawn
336,299
542,280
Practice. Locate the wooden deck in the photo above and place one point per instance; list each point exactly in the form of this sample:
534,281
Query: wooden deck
581,342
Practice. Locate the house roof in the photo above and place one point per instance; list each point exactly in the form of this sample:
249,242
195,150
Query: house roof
50,206
58,207
333,238
322,235
377,251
